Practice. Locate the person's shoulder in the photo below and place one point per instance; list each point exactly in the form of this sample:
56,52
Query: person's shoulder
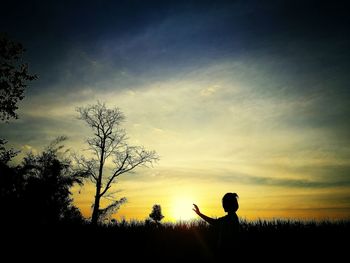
228,218
223,218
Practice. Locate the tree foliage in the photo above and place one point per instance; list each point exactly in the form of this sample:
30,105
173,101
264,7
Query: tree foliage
6,155
156,213
14,76
38,190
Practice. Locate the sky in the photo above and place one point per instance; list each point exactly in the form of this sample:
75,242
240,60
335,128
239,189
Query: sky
249,97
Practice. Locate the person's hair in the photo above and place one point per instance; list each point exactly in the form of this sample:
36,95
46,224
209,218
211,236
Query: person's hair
230,202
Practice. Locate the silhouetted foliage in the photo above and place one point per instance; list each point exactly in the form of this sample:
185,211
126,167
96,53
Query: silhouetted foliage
109,142
49,178
156,213
12,187
6,155
111,209
13,77
38,190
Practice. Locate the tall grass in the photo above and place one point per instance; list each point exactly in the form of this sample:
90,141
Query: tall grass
195,241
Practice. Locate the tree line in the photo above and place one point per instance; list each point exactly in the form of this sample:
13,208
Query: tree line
38,189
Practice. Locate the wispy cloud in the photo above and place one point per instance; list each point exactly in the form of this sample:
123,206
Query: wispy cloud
228,93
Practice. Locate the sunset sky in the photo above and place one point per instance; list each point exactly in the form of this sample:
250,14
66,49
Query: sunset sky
249,97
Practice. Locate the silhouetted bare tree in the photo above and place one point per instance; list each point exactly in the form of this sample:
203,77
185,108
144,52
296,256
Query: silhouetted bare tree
109,141
13,77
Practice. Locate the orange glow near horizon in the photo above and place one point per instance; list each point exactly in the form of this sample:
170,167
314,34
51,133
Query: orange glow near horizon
177,205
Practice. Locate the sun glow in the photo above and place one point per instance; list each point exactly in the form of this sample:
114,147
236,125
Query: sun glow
182,209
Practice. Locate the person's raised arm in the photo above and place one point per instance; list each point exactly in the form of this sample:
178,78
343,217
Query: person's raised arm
204,217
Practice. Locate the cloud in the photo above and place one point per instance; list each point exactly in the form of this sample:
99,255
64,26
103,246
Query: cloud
227,93
206,92
285,182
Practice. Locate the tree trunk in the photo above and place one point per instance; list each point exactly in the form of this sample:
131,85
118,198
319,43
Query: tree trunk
95,212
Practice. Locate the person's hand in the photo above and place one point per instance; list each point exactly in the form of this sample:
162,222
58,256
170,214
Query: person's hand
196,209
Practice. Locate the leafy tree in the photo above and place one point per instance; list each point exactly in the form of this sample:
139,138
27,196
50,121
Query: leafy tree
156,214
12,185
109,141
49,177
13,77
13,81
6,155
39,188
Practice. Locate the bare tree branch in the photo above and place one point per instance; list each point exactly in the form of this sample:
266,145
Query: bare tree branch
86,166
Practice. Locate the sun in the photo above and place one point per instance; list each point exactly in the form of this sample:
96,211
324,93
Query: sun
182,209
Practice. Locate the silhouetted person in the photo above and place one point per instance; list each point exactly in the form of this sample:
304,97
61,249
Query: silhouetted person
227,226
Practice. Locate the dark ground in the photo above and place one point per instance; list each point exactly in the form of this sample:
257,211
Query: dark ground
284,242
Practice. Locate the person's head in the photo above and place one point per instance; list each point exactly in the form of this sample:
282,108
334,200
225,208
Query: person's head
230,202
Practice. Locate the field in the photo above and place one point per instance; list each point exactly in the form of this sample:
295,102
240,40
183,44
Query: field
195,241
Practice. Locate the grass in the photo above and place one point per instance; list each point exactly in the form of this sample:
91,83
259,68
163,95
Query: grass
193,241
